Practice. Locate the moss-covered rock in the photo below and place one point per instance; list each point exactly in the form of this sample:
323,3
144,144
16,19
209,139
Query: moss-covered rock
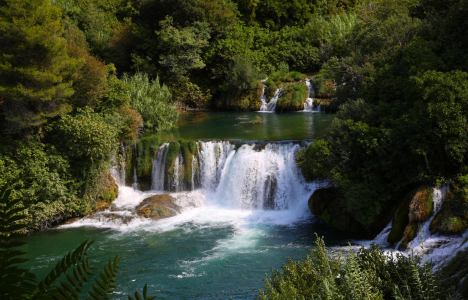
293,98
249,100
189,153
401,219
109,191
422,205
330,206
146,149
416,208
452,218
323,85
129,164
270,89
171,156
420,210
158,207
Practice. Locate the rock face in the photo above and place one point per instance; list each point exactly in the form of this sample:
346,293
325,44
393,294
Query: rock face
452,218
158,207
416,208
330,206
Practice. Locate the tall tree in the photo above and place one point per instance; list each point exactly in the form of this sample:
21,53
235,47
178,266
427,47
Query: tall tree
34,65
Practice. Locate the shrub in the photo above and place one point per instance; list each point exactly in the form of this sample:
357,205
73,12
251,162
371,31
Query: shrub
365,274
153,100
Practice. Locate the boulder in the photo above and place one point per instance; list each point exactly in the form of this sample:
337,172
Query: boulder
158,207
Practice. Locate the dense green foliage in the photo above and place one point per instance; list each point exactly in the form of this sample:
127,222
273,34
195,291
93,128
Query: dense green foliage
366,274
402,83
152,100
35,68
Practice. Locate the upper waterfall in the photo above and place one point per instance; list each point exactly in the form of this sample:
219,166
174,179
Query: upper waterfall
309,104
271,105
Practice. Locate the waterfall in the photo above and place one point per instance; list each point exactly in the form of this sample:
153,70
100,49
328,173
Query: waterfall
158,168
270,106
309,103
263,99
252,176
135,178
425,243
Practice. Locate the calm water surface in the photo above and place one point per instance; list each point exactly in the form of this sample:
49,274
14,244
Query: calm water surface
231,125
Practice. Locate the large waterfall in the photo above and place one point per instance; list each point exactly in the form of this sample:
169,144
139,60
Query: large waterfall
248,176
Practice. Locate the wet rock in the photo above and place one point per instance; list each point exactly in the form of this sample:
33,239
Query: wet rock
158,207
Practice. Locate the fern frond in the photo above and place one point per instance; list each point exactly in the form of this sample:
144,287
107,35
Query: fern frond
15,282
145,296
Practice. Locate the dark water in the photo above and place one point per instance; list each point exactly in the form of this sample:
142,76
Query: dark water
274,126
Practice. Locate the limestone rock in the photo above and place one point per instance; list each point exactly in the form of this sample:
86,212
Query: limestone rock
158,207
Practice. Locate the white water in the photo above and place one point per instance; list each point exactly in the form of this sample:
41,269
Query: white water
309,104
271,105
435,248
239,186
248,189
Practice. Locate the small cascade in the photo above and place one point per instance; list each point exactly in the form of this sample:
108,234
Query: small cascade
263,99
435,247
158,168
135,179
254,176
270,106
309,104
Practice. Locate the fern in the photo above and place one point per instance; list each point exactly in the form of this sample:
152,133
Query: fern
15,282
20,283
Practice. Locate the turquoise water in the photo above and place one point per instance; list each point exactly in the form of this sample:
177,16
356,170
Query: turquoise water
223,242
274,126
207,254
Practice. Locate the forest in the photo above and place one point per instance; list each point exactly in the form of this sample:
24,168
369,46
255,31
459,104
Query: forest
82,80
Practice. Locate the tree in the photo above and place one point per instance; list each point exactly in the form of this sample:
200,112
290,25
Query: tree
35,68
181,48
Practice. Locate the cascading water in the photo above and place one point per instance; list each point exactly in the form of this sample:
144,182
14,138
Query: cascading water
243,178
436,247
158,168
309,104
270,106
263,100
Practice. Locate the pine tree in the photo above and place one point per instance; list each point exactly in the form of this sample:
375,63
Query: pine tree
35,69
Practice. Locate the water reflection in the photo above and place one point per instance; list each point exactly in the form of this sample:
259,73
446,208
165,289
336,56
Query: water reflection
231,125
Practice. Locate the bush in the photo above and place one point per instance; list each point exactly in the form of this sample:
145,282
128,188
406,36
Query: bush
367,274
293,98
152,100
